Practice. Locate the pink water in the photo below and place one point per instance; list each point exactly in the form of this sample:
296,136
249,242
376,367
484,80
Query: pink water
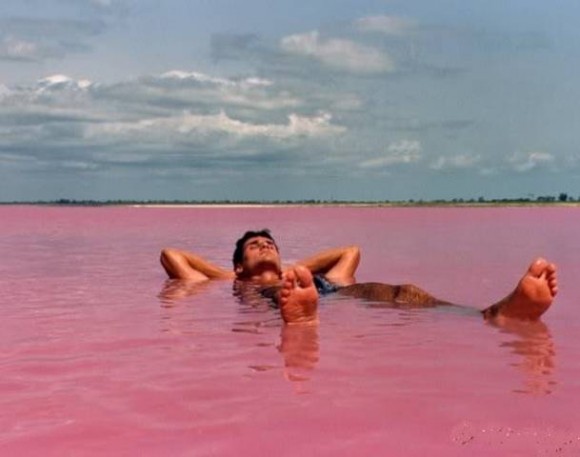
101,356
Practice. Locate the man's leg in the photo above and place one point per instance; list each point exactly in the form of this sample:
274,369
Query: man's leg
530,299
406,295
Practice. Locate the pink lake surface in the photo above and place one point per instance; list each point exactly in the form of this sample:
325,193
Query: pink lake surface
100,355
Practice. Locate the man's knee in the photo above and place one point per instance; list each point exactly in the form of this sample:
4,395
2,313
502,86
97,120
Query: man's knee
409,289
410,293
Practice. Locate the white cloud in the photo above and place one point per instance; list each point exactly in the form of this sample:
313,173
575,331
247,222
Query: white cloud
62,82
54,100
195,87
196,127
399,152
254,105
460,161
338,53
203,78
523,162
177,121
388,25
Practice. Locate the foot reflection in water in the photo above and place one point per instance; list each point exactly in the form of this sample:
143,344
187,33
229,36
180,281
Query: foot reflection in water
533,344
299,343
300,349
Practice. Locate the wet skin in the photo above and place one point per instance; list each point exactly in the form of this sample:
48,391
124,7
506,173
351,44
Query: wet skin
298,298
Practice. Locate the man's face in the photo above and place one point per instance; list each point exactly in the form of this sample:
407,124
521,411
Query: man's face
260,254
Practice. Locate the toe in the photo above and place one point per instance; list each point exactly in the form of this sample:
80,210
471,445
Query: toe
304,276
290,275
538,267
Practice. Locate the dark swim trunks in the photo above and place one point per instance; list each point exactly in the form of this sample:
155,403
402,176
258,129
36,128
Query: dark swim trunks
324,286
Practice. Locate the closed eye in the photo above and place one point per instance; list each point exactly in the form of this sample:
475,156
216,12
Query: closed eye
259,243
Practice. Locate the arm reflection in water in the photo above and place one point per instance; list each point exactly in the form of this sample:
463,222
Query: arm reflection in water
176,289
533,343
299,343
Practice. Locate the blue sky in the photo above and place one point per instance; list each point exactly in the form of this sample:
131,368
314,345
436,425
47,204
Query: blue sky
255,99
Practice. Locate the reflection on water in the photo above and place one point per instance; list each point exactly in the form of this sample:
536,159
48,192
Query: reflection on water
531,341
533,344
190,369
300,346
177,289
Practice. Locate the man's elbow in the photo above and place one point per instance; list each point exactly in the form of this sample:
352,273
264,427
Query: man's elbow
168,256
354,252
353,258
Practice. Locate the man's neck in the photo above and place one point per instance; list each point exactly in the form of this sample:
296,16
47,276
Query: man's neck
263,277
267,277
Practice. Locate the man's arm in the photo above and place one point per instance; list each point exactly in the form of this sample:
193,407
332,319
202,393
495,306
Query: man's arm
338,264
187,265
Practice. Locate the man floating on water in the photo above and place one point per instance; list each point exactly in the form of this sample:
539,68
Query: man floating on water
296,289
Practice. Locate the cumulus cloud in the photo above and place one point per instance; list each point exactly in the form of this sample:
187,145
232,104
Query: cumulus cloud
203,78
527,161
398,152
87,127
196,127
338,53
27,112
180,90
388,25
317,102
57,82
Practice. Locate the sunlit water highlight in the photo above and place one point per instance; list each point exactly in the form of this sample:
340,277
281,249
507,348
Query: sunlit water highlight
102,356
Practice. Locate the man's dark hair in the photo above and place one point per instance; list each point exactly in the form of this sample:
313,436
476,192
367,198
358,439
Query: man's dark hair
239,252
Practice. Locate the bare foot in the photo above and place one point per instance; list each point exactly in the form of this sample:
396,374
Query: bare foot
298,297
532,296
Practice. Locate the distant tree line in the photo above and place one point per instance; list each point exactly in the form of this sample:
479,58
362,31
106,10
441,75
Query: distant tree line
542,199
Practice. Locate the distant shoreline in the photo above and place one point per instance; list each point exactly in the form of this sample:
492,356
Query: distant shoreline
299,204
358,205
